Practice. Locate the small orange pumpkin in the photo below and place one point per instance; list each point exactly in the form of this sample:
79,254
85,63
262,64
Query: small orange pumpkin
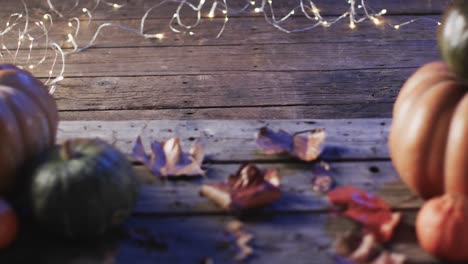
429,134
28,121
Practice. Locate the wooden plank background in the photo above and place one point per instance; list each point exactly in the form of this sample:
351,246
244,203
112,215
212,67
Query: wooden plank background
173,224
252,71
343,80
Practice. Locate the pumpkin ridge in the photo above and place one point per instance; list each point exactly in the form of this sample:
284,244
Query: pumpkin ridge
12,151
413,152
456,156
414,90
36,91
34,129
425,72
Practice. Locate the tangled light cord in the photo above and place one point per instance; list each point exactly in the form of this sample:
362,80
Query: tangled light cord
29,30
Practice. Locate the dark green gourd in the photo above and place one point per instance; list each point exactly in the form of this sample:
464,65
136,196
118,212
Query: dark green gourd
84,188
453,38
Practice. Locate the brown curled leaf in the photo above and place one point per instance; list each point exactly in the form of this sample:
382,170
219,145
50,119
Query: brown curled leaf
306,148
309,147
322,181
167,159
353,248
248,188
369,210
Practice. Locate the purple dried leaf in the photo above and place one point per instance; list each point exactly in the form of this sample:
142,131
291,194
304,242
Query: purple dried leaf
167,159
306,148
158,158
272,143
138,152
322,181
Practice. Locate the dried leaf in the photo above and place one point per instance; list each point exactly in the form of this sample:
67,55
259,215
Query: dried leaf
248,188
242,239
272,143
390,258
364,250
367,209
322,182
310,147
138,152
307,148
167,159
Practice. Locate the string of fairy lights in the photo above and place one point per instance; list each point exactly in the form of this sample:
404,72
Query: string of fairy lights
28,30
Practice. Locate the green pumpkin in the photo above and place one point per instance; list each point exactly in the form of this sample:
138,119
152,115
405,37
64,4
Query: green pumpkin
453,38
84,188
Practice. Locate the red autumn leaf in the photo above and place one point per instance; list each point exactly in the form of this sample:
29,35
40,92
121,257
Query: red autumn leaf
322,181
367,209
248,188
307,148
167,159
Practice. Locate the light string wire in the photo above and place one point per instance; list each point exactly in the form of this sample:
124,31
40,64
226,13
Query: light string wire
19,24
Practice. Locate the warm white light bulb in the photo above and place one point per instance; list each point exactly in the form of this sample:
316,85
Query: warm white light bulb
159,36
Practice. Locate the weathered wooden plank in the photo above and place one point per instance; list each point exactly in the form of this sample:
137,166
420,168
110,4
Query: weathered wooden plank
231,90
137,8
245,58
235,140
251,30
182,197
358,110
302,238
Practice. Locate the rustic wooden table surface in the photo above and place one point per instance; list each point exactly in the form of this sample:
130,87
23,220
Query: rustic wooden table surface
204,89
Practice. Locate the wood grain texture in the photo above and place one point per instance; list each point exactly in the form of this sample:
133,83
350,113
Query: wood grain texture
250,58
231,90
117,89
137,8
358,110
239,31
235,140
299,238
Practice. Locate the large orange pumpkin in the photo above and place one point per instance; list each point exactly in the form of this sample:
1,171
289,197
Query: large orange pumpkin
429,134
28,121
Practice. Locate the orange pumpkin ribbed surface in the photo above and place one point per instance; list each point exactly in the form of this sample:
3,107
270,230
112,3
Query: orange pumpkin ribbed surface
429,135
